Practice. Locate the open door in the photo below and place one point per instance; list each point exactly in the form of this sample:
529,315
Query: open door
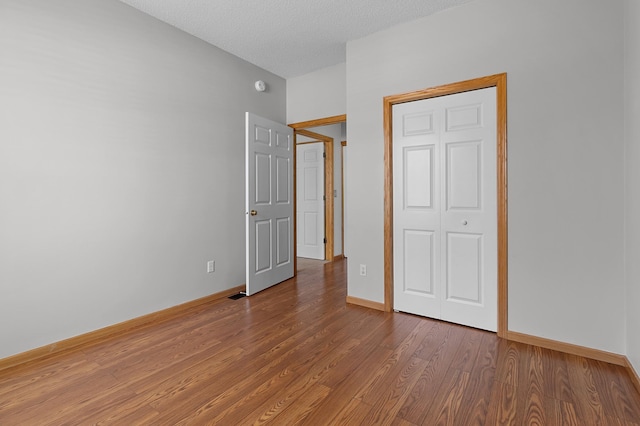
269,203
310,200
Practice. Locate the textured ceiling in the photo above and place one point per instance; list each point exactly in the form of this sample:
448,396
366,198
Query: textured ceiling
287,37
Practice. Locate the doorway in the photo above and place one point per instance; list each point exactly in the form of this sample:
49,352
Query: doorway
334,219
499,83
328,178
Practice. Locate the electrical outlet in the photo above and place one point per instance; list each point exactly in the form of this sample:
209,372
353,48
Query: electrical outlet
363,270
211,266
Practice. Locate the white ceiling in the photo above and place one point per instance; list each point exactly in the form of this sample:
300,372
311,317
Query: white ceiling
287,37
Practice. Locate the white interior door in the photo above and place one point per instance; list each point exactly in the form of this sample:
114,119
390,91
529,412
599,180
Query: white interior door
445,208
310,200
269,203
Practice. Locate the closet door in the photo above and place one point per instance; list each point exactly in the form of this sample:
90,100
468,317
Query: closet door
416,208
445,208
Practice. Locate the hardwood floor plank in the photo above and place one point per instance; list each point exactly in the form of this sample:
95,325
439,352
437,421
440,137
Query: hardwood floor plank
428,386
402,325
445,407
307,382
468,351
556,378
26,382
166,385
353,413
401,422
532,384
266,373
347,388
565,413
481,380
588,405
298,354
618,399
503,405
297,412
509,362
266,364
434,338
389,371
120,407
391,399
62,403
268,401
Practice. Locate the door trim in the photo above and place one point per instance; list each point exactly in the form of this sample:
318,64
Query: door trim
328,188
343,145
336,119
499,81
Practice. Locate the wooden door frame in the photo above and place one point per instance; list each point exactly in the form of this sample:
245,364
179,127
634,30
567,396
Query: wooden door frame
343,145
499,81
328,187
300,128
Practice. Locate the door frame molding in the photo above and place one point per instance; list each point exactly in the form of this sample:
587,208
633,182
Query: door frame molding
499,81
328,188
299,128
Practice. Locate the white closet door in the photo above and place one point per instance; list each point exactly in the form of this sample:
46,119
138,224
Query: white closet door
445,208
416,210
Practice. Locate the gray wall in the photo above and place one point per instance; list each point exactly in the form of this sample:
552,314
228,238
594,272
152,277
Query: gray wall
317,95
632,156
564,61
121,166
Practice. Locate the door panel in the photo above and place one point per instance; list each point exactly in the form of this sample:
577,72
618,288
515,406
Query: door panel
263,245
269,205
310,200
418,262
416,245
464,274
445,186
283,184
470,266
284,248
262,179
464,117
418,176
463,175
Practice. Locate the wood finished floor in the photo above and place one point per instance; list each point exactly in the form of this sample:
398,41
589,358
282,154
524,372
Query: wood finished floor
297,354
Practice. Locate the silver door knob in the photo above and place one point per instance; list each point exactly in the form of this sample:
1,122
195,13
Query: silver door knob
464,222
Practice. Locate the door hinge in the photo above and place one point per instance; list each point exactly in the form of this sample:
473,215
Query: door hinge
325,241
324,155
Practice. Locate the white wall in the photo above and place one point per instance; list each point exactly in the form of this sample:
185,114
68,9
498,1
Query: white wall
121,167
632,156
316,95
565,105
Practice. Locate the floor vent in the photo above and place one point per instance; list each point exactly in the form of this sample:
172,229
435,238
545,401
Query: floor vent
238,296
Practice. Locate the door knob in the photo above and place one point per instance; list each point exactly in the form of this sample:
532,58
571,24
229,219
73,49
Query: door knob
253,212
464,222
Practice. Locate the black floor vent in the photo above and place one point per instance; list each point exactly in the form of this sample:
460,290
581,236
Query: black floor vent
238,296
